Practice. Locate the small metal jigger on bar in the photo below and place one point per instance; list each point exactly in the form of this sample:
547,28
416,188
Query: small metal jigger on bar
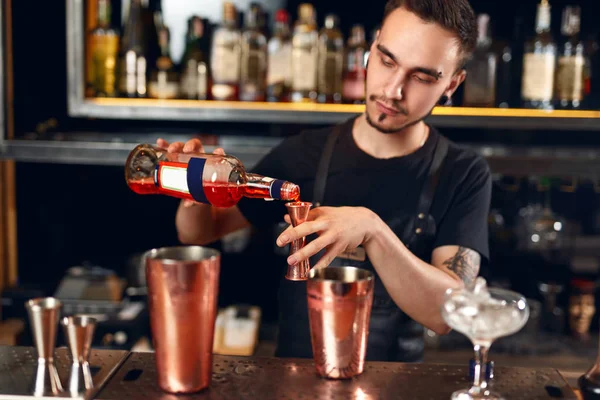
298,212
43,315
79,331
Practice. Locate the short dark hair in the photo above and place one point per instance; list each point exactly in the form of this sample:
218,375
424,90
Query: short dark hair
457,16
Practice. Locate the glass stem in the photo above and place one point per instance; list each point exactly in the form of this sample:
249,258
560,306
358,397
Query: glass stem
479,380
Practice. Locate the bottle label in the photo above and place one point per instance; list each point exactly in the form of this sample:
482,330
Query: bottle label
172,176
538,76
569,78
226,64
280,63
184,178
304,70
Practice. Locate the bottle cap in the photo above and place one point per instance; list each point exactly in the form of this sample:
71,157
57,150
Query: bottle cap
282,16
306,11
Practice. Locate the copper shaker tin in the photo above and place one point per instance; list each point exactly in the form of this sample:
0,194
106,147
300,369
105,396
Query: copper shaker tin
339,306
298,212
183,287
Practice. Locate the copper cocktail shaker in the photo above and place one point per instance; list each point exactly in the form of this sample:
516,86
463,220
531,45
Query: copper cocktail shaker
339,307
298,212
183,287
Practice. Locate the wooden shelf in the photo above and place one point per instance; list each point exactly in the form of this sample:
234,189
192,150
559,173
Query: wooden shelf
310,113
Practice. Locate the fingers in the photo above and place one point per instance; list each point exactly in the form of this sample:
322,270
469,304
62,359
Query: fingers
219,150
161,143
294,233
193,146
188,203
310,249
287,219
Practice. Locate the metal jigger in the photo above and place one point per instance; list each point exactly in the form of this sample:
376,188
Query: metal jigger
79,331
298,212
43,316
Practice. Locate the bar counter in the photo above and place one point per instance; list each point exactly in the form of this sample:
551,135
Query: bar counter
131,375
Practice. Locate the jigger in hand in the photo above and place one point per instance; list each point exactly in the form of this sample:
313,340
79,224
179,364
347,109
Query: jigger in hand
79,331
298,212
43,316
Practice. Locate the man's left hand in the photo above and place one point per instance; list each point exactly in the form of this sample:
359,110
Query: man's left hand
339,229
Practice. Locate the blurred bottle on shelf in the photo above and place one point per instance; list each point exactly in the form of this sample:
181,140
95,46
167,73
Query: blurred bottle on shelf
480,83
570,77
355,72
539,62
102,71
331,61
194,63
279,70
253,57
226,56
305,55
164,80
132,56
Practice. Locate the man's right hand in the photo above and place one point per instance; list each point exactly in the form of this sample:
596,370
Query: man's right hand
190,147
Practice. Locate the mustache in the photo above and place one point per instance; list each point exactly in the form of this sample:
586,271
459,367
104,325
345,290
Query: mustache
395,104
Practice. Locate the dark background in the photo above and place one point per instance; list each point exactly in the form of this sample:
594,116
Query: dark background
71,214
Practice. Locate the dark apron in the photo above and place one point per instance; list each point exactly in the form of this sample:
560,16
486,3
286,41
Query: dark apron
393,336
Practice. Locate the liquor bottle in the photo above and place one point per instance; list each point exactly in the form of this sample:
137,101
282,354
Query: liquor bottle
132,57
164,81
279,70
104,50
592,73
571,62
480,83
305,55
225,56
194,74
539,59
331,61
220,180
355,72
253,79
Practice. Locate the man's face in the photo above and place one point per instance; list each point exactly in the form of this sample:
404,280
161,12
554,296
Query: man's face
411,65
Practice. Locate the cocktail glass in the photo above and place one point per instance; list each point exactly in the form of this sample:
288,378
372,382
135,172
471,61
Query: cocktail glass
483,315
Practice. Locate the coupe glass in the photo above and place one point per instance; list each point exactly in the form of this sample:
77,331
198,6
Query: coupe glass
483,315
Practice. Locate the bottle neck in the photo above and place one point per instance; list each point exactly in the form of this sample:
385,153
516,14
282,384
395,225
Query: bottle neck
542,23
104,13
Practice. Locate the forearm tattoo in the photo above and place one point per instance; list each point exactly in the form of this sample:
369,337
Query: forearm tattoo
465,263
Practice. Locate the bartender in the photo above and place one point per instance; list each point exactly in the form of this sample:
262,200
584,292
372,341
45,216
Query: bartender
391,193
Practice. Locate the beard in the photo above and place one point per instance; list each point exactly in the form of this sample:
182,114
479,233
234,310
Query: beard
376,120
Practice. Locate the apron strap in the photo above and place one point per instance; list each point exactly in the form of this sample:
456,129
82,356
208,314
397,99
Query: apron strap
323,168
423,208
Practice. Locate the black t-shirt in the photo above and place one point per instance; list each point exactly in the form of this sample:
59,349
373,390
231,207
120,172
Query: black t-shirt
391,188
388,187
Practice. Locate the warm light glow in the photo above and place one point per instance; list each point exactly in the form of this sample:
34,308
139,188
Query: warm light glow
338,108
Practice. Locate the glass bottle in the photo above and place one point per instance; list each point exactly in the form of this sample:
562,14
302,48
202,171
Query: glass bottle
279,70
355,72
194,74
132,57
225,56
220,180
164,81
305,55
539,59
331,61
480,83
571,62
104,49
253,78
